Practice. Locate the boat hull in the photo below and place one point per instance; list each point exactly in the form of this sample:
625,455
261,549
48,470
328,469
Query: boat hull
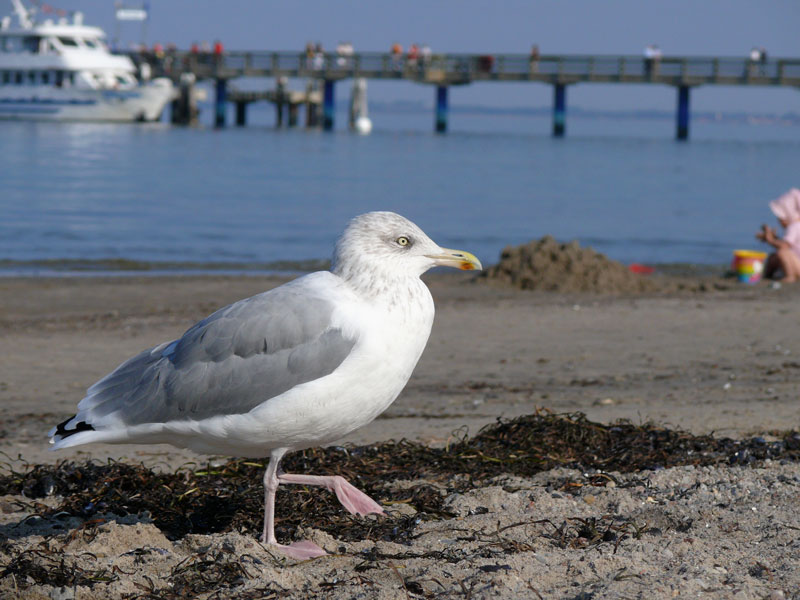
47,103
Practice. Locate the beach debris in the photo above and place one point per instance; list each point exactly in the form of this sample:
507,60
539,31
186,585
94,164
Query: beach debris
641,269
604,402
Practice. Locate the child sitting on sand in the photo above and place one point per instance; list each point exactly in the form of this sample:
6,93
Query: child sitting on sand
786,257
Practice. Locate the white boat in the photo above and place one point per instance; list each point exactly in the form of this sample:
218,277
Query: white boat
63,71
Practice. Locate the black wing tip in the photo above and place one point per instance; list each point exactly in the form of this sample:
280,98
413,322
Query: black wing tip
63,432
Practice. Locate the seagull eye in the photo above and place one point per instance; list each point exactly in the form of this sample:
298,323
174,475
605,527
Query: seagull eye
403,241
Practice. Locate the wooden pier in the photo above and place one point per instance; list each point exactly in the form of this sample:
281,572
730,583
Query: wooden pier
445,70
285,100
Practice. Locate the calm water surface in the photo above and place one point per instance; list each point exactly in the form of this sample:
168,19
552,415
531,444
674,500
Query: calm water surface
256,195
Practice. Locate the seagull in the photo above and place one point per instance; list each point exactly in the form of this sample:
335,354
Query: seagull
295,367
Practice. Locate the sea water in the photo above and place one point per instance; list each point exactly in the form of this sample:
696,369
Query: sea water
79,195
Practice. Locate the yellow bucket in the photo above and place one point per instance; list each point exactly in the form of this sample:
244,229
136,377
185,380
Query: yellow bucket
748,265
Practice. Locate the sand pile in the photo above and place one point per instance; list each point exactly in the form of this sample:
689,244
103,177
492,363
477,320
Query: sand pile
548,265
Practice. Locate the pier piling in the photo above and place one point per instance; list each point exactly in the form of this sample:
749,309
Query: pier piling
184,106
220,104
559,109
241,114
177,112
328,105
280,100
682,130
312,116
441,108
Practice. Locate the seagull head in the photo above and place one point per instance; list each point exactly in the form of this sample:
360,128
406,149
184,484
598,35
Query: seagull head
391,244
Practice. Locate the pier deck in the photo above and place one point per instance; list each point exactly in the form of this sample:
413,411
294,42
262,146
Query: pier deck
445,70
455,69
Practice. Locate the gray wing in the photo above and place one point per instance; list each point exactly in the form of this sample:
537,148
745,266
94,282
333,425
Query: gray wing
228,363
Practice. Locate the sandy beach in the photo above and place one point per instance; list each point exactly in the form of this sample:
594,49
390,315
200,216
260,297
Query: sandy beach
725,361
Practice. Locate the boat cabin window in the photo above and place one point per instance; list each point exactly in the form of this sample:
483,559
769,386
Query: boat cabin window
90,43
30,43
11,43
68,42
57,78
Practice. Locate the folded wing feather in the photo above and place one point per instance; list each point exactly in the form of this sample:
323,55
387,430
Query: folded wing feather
228,363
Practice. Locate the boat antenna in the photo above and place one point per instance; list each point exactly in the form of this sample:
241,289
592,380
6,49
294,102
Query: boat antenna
23,15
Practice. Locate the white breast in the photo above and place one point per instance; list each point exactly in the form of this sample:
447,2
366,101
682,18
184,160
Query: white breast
390,340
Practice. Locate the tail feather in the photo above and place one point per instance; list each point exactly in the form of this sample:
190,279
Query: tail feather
69,427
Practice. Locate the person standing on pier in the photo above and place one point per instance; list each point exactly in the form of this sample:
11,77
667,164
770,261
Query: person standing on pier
413,55
219,50
309,55
534,59
397,56
344,54
425,54
319,57
786,257
649,59
762,59
754,59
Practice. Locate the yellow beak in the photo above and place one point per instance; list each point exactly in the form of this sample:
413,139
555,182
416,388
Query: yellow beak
458,259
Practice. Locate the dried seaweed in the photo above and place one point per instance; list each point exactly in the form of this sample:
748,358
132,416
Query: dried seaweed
220,573
530,444
230,497
44,565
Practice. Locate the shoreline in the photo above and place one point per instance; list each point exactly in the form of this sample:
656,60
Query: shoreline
70,268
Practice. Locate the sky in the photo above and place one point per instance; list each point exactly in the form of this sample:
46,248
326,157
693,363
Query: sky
680,27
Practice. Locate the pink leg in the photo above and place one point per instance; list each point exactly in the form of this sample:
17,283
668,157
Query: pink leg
353,499
299,550
790,263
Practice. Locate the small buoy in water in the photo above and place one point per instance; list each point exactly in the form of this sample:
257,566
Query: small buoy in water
363,125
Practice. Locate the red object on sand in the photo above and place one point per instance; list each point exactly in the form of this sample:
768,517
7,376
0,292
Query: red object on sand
640,269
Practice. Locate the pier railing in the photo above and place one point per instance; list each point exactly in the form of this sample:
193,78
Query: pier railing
322,70
455,69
